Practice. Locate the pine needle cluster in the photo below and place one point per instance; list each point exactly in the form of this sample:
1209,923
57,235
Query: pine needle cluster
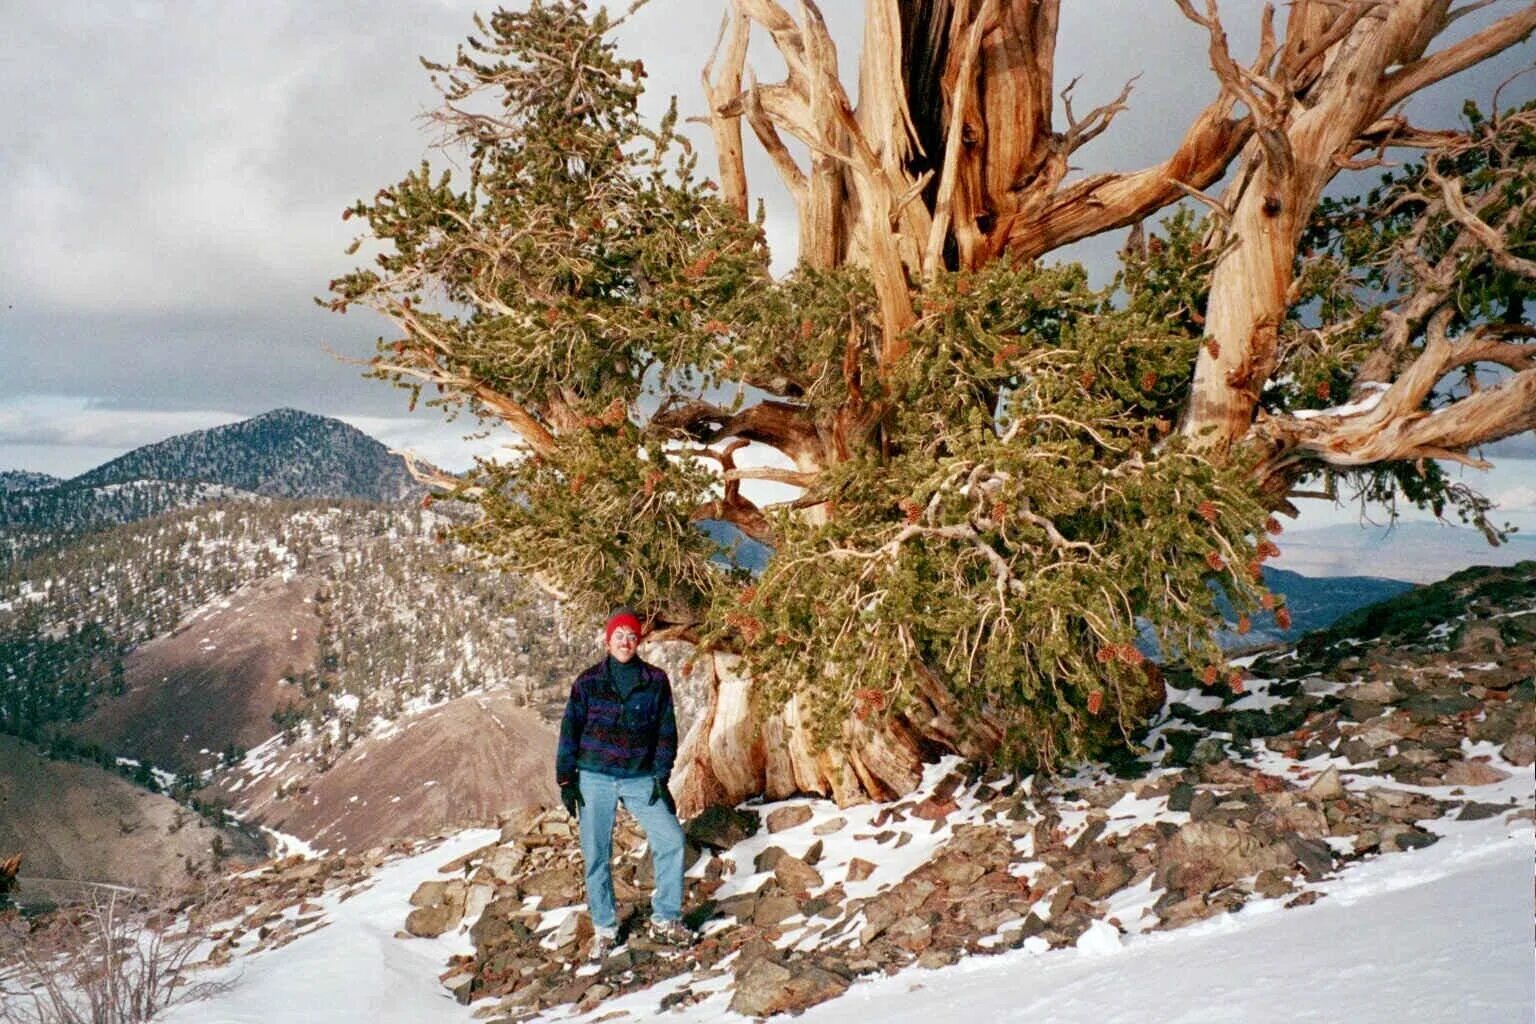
1005,512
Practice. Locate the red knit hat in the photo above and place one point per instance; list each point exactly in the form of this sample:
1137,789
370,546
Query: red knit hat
623,617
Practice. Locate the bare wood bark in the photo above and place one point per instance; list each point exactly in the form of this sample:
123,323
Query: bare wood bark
722,93
784,426
1426,71
1272,201
738,749
885,123
961,105
825,194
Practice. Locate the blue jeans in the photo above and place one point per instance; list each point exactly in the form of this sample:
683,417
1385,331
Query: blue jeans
601,795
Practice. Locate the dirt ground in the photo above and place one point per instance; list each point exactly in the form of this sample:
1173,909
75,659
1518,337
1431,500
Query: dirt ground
77,822
214,681
462,763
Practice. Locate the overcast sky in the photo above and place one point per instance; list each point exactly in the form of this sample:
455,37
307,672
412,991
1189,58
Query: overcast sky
172,176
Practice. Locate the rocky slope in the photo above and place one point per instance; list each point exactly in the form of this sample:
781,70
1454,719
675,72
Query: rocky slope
1413,721
325,633
1421,710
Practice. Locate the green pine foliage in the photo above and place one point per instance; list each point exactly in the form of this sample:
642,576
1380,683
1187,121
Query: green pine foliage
1026,506
998,512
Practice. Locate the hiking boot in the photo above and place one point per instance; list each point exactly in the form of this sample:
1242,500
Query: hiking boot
672,933
601,944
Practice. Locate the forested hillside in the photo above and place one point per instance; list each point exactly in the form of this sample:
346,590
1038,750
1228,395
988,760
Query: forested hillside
33,520
282,454
23,480
399,626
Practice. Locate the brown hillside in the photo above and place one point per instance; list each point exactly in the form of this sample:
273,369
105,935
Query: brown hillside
75,821
461,763
214,681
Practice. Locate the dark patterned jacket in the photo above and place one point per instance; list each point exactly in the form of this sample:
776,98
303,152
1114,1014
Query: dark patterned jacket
604,731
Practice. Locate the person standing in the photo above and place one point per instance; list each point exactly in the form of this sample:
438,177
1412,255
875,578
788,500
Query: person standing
618,740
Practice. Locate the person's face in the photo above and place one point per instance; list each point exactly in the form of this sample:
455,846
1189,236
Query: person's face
622,643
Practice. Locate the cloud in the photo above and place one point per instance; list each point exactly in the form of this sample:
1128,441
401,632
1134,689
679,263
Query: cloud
1520,498
1519,446
204,161
175,173
451,446
73,421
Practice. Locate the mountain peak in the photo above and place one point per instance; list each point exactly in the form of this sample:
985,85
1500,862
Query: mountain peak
284,453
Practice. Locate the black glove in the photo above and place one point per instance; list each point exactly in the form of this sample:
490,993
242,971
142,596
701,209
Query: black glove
570,796
659,791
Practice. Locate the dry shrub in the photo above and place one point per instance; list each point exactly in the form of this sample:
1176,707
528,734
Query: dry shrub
109,959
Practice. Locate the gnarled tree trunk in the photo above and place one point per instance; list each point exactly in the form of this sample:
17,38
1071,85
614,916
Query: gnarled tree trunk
734,751
953,156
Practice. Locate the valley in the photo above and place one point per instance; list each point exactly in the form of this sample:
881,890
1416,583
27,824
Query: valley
254,633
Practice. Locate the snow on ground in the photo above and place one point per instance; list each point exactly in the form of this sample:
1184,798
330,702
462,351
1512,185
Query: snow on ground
1432,935
354,970
1441,934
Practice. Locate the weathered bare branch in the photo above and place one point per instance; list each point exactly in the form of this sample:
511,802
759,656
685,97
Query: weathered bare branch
535,434
1496,104
774,475
1108,201
1393,424
1216,206
431,476
1265,99
721,92
1496,38
790,172
1080,133
1486,234
1397,131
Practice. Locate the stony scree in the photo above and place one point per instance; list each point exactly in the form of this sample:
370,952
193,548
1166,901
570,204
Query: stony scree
1349,747
1342,750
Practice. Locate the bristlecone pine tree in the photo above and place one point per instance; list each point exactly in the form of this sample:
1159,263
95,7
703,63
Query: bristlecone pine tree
1000,467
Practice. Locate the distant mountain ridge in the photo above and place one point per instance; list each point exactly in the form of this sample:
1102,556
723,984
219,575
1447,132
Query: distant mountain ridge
24,480
1314,604
285,453
1419,552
